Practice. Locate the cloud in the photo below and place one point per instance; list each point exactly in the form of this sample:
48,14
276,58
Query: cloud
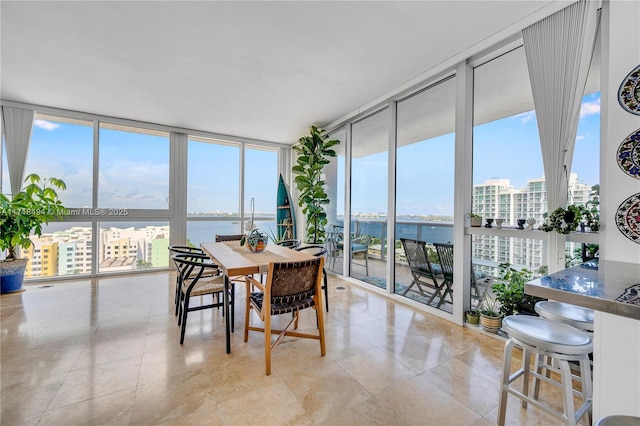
526,117
590,108
579,137
46,125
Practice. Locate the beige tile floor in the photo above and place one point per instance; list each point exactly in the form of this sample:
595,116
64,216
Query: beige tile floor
106,351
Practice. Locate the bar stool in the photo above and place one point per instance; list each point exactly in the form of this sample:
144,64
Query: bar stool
618,420
561,343
577,316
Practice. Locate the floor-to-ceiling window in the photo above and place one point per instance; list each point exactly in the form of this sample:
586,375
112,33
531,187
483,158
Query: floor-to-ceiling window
62,147
369,184
119,193
425,189
335,181
508,173
213,189
261,184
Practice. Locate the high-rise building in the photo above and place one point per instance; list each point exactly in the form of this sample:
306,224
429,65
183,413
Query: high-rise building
497,198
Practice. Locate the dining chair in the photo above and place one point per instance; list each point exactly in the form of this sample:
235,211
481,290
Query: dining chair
290,287
291,243
177,249
445,257
319,251
422,270
199,277
229,237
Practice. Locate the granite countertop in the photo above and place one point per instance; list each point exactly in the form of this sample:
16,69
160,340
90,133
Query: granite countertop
607,286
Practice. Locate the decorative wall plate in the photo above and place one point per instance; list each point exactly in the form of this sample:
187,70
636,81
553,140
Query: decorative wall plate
629,92
630,295
628,218
629,155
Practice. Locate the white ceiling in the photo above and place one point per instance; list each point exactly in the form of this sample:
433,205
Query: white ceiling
263,70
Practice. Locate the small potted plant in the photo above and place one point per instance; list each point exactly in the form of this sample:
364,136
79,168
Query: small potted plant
473,316
490,317
476,220
25,212
256,240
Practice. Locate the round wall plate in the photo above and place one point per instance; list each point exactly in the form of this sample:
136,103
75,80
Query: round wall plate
629,155
628,218
629,92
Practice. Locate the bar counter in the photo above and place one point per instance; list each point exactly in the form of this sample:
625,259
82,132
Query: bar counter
612,290
605,286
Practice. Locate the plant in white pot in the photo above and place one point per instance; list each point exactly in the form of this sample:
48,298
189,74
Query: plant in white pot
25,212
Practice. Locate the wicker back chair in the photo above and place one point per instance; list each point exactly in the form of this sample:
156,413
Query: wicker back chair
422,270
319,251
290,287
198,276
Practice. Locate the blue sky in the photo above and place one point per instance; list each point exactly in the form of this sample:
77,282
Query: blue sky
134,167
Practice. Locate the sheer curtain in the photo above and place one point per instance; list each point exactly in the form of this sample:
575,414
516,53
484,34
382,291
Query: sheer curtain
559,50
18,123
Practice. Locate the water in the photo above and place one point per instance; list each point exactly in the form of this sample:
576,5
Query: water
431,232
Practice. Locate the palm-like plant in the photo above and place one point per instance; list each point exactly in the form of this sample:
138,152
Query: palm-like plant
314,152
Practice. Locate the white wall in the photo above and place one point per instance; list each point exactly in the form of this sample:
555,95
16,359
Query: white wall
617,342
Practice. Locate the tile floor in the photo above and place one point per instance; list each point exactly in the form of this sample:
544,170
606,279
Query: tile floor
106,351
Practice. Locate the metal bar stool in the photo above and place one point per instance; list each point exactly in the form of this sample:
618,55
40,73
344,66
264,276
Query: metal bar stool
577,316
618,420
561,343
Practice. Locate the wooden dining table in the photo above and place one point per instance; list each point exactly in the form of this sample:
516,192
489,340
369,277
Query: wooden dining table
235,260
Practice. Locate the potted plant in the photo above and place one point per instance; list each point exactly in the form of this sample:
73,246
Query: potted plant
473,316
476,219
25,212
490,317
256,240
509,291
314,152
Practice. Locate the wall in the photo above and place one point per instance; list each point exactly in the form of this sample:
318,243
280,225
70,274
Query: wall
617,342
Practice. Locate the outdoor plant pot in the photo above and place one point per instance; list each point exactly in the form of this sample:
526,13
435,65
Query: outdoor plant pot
476,222
490,324
473,317
12,275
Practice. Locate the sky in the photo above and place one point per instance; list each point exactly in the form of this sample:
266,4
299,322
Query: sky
134,167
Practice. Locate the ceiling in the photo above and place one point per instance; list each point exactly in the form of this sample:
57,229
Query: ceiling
264,70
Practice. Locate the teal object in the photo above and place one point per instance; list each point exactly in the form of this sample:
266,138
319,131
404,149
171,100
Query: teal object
285,216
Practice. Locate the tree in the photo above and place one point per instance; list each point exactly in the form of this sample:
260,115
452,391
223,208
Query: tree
314,152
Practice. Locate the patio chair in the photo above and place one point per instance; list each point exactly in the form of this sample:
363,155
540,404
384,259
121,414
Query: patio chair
423,272
480,284
445,257
290,287
359,244
198,277
318,251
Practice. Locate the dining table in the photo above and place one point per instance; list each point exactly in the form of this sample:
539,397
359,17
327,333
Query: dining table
237,260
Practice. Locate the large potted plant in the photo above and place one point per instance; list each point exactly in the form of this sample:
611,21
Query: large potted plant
509,291
25,212
314,152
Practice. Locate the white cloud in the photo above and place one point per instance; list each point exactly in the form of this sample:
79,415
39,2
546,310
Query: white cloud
526,117
46,125
590,108
579,137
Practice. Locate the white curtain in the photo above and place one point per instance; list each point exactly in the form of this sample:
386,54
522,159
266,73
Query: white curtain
559,50
18,123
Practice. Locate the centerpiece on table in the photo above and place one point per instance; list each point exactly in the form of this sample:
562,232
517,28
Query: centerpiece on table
255,240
